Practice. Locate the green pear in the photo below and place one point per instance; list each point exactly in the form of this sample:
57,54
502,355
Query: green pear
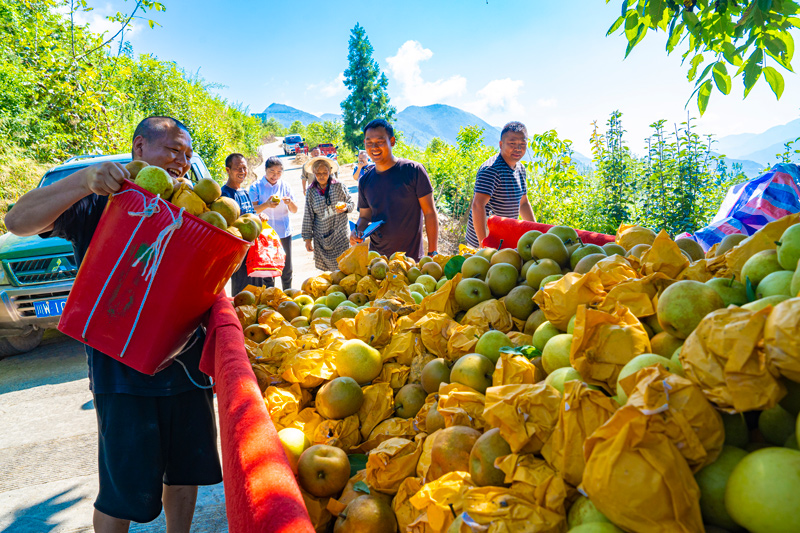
491,342
775,284
729,242
760,265
684,304
789,247
156,180
731,291
583,251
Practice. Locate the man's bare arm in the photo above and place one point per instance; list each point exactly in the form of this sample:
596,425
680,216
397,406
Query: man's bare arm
478,208
431,222
36,211
525,210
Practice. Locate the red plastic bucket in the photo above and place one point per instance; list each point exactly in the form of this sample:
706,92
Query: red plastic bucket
149,275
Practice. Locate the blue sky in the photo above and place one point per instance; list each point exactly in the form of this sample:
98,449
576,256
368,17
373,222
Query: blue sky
547,63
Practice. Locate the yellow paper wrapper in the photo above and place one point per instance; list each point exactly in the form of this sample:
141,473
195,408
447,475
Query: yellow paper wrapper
247,315
395,287
603,343
420,420
763,239
463,341
351,492
284,403
435,499
512,369
271,319
343,434
697,271
424,462
355,260
403,347
525,414
637,477
378,406
251,348
443,300
401,503
393,461
317,285
306,421
503,510
638,295
560,300
532,476
491,314
275,350
725,358
264,375
350,283
629,235
368,286
614,270
519,338
782,338
417,364
689,420
435,331
307,341
663,256
460,405
395,374
372,325
273,297
582,411
317,511
309,368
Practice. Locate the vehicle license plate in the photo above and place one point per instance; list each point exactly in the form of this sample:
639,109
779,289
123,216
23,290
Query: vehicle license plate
49,307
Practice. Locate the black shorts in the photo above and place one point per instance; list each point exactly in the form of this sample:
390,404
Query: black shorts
147,441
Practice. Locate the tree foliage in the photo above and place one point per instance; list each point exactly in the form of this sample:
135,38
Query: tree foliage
745,38
368,98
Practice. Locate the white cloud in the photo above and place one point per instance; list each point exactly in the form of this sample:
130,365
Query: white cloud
334,88
98,22
498,99
405,69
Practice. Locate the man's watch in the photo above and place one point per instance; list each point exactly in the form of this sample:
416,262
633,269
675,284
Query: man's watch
433,253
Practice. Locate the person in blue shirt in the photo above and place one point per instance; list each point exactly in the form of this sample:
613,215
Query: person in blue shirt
264,192
157,436
236,168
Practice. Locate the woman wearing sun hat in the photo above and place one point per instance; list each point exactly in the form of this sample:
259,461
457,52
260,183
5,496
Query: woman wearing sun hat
326,230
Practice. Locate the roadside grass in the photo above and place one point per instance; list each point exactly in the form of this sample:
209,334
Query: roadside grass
18,175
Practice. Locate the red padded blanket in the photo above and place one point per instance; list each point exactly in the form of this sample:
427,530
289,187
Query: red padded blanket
509,231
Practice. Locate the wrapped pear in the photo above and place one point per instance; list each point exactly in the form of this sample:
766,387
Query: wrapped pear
186,198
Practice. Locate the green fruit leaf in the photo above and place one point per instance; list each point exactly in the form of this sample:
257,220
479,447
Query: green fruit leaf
775,81
656,11
614,27
695,62
751,290
530,351
753,70
361,487
358,462
690,19
730,54
703,95
453,266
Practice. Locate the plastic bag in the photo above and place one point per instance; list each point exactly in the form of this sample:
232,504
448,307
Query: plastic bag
378,405
560,300
435,331
403,347
502,510
512,368
309,368
663,256
637,477
638,295
285,402
690,421
401,503
266,258
490,314
343,433
354,260
724,357
525,414
460,405
582,411
463,340
395,374
782,338
603,343
613,270
438,500
393,461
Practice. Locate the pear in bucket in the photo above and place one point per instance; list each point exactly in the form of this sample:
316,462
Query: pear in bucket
186,198
156,180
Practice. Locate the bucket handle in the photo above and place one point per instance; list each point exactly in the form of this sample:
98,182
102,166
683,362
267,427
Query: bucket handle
154,254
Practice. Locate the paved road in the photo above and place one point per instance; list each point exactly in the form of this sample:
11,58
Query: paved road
48,442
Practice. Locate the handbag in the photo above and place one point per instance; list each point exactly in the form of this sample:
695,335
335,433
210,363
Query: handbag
266,257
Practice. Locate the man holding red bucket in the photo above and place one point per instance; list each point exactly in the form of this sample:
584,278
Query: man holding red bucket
156,434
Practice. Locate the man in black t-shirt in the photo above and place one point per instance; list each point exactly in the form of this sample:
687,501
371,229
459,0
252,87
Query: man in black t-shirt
398,192
156,434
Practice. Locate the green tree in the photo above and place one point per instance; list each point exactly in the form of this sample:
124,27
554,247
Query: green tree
368,98
742,35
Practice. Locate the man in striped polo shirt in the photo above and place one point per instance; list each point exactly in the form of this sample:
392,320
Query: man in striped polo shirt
500,186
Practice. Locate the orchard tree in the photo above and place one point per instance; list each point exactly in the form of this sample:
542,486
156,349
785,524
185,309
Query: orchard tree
743,38
368,98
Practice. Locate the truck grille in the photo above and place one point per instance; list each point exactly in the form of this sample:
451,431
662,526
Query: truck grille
44,269
24,304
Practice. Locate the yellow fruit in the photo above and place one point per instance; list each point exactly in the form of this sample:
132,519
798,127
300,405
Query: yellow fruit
156,180
214,218
207,189
134,167
228,208
248,228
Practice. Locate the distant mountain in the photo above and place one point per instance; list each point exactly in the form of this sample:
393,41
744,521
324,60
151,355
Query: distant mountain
421,124
325,117
286,115
758,147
